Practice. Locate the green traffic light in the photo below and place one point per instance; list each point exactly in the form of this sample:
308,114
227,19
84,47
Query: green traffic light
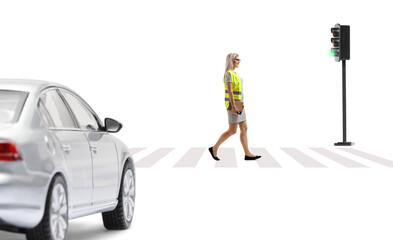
334,52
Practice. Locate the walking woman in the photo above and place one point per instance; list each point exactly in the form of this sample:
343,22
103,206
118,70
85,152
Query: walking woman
234,104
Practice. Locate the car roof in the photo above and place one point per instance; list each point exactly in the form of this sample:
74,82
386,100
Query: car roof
26,85
35,87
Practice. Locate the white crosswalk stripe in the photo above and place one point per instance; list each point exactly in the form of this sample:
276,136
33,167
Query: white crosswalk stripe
302,158
321,159
347,162
191,158
273,157
153,158
230,158
370,158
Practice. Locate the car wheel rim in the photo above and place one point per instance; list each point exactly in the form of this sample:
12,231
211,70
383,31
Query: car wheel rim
58,212
128,195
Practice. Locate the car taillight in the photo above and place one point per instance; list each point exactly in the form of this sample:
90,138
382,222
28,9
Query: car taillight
8,152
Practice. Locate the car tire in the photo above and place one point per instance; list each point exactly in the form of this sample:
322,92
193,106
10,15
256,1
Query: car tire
120,218
54,223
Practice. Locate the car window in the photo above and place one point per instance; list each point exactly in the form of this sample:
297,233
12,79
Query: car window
45,114
11,105
59,115
85,118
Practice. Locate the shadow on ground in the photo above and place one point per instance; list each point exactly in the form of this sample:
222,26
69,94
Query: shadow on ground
77,230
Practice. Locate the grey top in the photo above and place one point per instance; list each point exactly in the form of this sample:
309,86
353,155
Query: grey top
228,79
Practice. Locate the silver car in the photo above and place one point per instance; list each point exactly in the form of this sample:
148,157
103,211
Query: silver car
59,162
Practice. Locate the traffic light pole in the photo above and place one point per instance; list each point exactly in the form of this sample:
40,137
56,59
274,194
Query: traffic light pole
344,142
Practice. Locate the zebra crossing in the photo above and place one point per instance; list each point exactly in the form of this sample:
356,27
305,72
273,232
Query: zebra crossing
285,157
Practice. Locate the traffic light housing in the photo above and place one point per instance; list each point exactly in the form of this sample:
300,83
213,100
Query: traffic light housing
340,41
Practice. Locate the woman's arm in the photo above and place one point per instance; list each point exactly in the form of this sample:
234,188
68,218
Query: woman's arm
234,110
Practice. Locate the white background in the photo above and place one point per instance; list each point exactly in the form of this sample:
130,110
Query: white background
157,66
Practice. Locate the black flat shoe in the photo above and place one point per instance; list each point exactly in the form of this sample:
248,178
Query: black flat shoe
211,152
251,158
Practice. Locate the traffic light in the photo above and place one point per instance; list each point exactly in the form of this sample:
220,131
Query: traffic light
340,52
340,41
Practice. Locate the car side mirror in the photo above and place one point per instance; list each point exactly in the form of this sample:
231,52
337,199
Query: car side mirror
111,125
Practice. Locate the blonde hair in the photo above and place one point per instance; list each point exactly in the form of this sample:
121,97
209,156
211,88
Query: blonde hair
229,63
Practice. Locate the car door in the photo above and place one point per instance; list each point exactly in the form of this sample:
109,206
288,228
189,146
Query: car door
103,150
74,146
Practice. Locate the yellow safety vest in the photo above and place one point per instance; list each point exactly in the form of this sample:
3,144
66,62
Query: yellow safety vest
236,88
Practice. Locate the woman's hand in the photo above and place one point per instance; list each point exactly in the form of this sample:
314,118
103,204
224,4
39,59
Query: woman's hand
234,110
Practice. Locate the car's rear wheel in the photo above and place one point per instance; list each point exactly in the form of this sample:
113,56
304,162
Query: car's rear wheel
121,217
54,223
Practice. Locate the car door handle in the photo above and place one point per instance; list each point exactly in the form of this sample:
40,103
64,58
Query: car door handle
66,148
94,148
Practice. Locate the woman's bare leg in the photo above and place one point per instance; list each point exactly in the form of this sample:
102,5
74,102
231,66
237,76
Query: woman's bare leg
231,130
243,139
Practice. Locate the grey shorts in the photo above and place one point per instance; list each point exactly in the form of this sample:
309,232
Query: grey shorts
236,118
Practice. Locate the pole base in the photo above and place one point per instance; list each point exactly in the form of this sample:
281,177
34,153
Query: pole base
344,144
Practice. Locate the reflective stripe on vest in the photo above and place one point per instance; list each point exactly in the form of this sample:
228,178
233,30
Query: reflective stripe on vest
236,88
